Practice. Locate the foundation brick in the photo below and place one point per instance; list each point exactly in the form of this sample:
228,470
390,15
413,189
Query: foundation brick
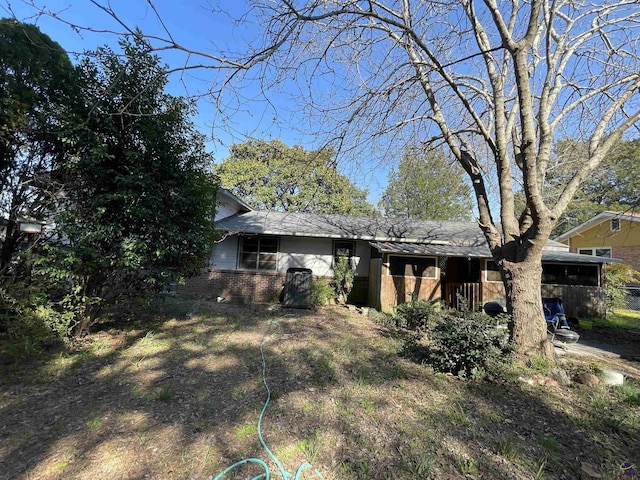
235,286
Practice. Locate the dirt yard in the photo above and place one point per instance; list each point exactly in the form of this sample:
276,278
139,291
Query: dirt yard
179,396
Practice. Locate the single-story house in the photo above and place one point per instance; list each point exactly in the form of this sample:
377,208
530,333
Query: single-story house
608,234
395,260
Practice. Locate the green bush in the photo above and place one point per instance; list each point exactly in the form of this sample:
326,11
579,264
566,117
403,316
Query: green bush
464,343
321,292
344,274
416,315
30,320
617,275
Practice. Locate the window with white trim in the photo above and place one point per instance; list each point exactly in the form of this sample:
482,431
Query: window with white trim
615,225
596,251
416,267
259,253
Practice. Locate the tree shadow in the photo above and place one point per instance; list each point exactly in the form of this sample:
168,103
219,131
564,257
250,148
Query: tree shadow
181,397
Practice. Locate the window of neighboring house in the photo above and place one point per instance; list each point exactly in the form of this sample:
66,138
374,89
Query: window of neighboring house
492,273
615,224
572,274
259,253
343,249
416,267
597,252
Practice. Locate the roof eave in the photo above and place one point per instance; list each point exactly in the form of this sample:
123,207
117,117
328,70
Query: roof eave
601,217
366,238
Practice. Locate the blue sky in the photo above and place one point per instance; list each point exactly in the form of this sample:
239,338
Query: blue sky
197,27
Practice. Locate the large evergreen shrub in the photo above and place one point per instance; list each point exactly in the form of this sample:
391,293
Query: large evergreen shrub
463,342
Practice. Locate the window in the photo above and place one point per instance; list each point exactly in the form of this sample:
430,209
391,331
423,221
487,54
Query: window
492,274
259,253
597,252
343,248
615,224
573,274
417,267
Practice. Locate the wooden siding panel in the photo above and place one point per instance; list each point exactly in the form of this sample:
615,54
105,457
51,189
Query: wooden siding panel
397,290
601,235
578,301
375,283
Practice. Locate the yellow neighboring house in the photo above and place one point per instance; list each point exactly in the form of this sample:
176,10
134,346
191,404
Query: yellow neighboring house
608,234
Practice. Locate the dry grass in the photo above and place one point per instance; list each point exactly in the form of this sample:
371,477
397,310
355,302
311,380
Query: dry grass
179,398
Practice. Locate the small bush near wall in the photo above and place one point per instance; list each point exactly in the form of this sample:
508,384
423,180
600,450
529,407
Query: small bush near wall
416,315
321,292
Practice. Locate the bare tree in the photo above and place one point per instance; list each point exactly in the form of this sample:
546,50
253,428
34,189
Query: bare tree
496,82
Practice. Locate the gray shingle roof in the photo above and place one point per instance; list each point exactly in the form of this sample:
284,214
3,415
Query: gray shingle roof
389,235
363,228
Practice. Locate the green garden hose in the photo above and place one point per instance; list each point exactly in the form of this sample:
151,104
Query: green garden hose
267,474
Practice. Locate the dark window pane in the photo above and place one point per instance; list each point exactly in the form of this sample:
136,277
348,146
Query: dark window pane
259,253
343,249
417,267
586,275
248,260
267,265
615,224
582,275
250,244
554,274
269,245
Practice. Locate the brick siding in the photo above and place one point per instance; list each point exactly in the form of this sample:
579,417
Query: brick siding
629,255
235,285
253,287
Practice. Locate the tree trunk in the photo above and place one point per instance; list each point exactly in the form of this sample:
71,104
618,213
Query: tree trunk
528,327
9,245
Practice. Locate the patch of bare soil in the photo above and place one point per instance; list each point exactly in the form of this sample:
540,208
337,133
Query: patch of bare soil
180,397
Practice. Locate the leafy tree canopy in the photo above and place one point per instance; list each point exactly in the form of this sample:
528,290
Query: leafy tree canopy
139,196
36,83
427,186
272,176
615,185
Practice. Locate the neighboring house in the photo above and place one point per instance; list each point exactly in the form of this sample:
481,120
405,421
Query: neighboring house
608,234
395,259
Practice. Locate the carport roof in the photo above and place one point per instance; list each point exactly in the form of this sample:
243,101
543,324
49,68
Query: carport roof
479,251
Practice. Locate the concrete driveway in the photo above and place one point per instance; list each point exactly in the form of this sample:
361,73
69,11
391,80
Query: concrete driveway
624,359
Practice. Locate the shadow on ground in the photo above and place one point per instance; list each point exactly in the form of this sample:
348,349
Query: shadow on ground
180,396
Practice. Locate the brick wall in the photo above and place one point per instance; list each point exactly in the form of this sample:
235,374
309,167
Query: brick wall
629,255
235,285
253,287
